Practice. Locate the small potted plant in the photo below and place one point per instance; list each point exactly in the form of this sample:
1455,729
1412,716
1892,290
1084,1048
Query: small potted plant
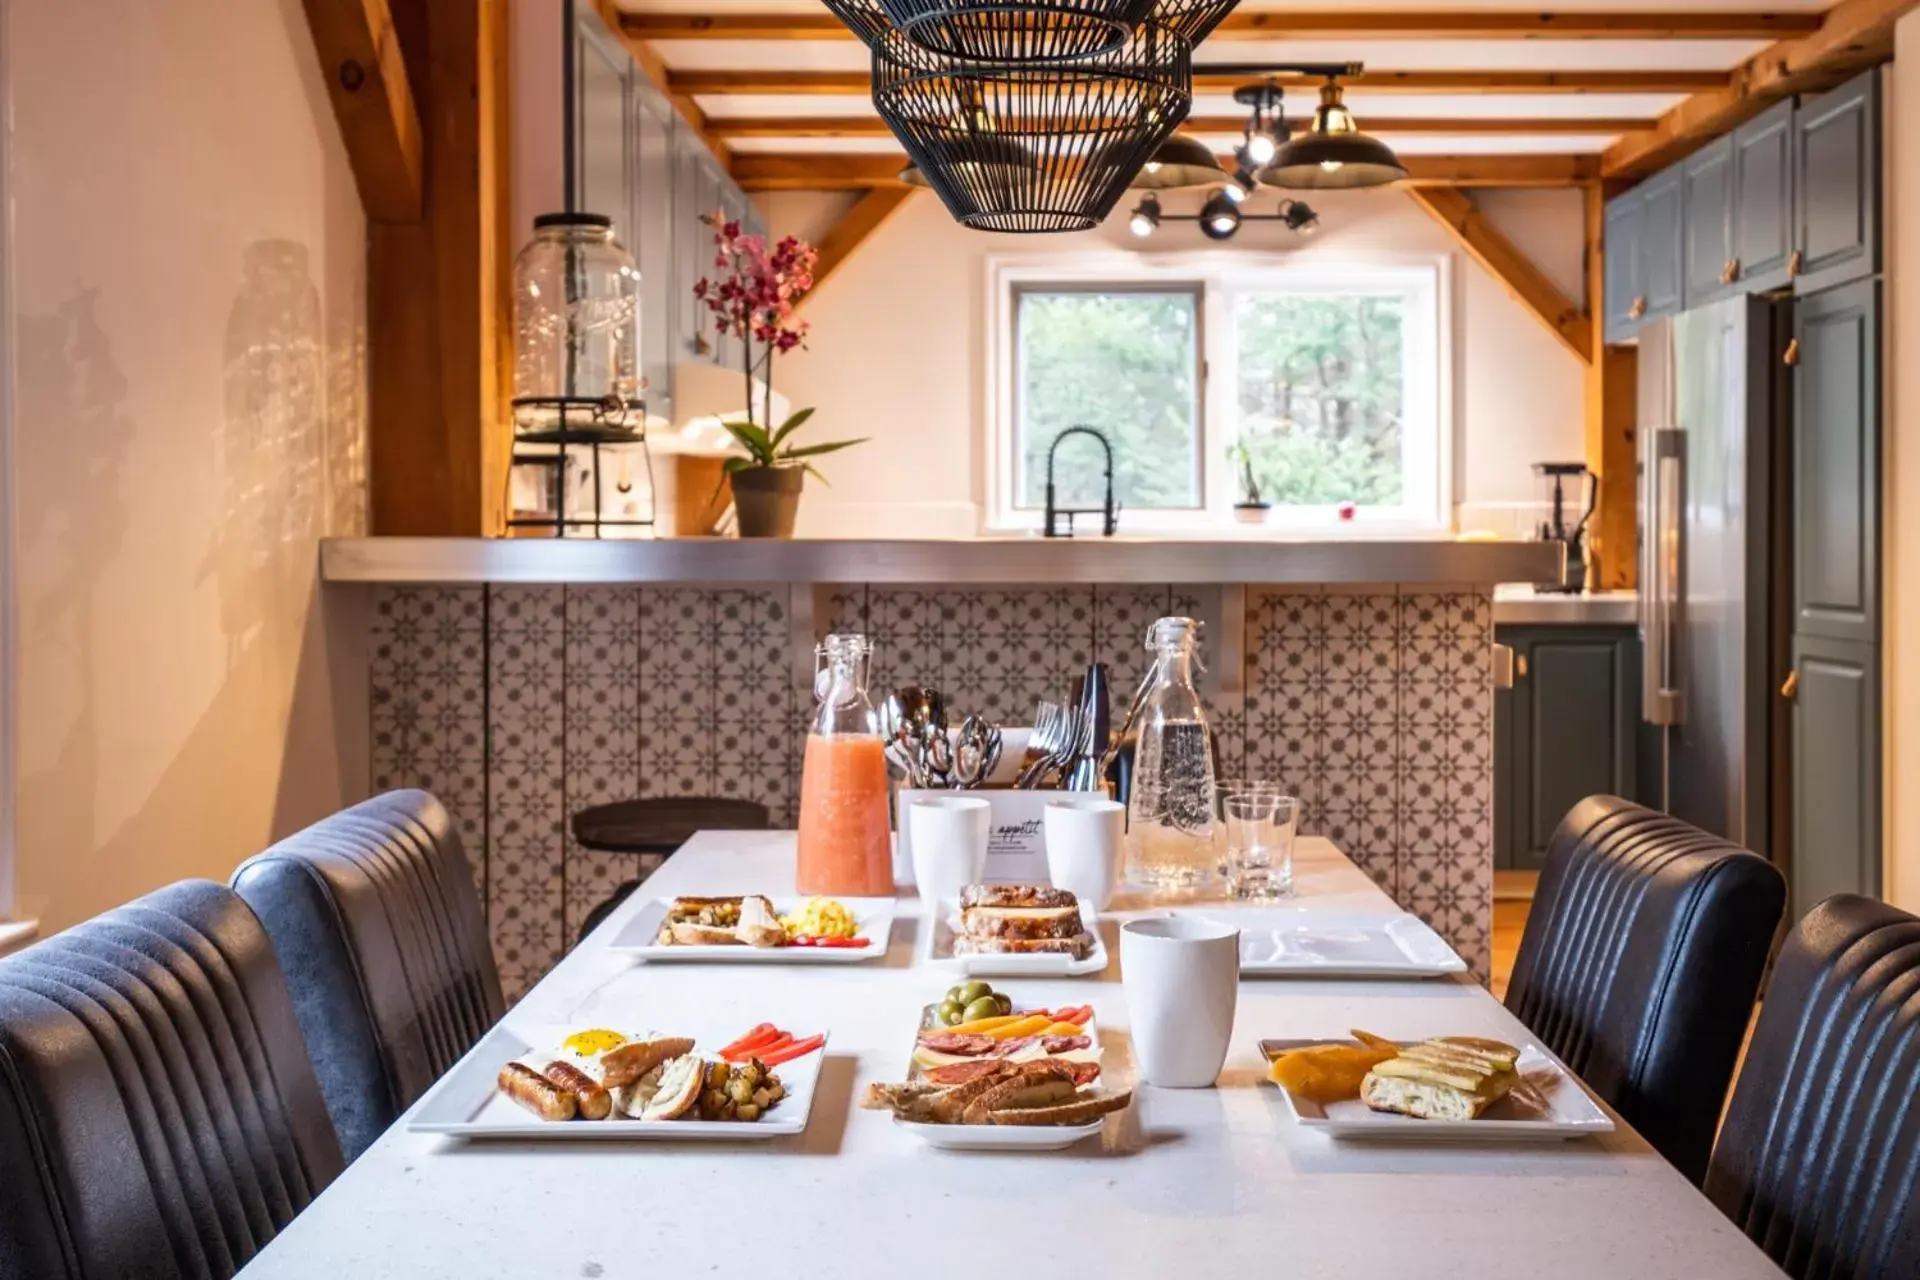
754,298
1252,508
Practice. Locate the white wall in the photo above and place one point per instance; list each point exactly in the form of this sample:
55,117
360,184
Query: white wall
1900,437
899,338
189,294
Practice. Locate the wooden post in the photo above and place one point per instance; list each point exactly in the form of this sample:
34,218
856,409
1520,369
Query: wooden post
437,288
1611,405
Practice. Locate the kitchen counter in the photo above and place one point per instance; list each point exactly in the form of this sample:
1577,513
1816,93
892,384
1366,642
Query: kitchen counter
999,560
1517,603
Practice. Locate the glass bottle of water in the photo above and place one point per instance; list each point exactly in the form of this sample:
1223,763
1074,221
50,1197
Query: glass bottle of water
1170,816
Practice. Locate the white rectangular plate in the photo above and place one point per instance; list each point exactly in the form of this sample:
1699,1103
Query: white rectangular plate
465,1104
1299,942
1548,1105
942,931
873,916
999,1137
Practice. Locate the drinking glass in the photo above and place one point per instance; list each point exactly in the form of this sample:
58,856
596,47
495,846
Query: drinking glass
1260,826
1221,790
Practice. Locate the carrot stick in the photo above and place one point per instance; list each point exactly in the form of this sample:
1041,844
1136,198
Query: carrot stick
765,1031
787,1053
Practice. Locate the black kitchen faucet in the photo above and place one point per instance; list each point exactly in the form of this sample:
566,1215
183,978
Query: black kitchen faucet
1109,510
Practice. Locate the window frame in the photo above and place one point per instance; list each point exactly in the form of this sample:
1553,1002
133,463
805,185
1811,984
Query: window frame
1219,276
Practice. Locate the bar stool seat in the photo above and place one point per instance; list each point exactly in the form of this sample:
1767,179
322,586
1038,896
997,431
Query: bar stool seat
656,827
661,824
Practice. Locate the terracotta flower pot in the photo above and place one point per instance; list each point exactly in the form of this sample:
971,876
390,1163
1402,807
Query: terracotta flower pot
767,499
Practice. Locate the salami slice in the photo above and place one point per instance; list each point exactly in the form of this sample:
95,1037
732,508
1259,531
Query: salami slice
960,1045
954,1073
1065,1044
1084,1073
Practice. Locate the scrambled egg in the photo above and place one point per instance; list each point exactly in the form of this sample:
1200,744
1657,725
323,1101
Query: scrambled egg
820,918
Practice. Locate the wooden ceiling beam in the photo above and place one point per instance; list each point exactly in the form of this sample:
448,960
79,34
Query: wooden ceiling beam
843,171
787,82
1854,35
869,213
731,127
1454,210
1281,25
373,102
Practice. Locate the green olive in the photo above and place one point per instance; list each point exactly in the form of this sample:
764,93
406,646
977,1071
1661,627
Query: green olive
972,991
984,1007
953,993
1005,1002
949,1013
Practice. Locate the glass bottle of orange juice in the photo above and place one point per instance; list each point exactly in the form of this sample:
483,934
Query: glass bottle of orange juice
844,847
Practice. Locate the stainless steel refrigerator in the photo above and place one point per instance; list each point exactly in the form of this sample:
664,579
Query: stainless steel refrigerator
1714,565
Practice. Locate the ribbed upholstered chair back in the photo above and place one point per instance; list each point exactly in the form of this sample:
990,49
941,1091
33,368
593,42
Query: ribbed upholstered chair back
159,1119
381,932
1641,958
1819,1159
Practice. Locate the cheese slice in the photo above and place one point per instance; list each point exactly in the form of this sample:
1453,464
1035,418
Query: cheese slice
1020,913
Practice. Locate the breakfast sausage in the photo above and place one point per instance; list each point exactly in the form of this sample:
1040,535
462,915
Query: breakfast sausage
536,1093
592,1101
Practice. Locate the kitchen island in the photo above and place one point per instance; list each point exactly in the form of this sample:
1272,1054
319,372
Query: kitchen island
522,681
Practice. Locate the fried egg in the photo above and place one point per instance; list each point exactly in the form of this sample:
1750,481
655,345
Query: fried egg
583,1050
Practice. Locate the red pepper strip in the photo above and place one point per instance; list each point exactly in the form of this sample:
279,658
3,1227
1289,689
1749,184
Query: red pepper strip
835,943
757,1049
787,1053
765,1031
1078,1017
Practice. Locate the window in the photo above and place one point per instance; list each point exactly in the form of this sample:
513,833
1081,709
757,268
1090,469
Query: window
1242,379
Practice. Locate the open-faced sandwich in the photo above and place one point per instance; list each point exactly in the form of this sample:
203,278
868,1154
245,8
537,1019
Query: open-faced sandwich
1451,1078
1020,919
606,1075
748,920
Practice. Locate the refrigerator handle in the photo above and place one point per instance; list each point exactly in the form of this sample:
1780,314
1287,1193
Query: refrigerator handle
1663,568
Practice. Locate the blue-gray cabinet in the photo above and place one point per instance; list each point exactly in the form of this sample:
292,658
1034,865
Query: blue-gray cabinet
1707,181
1567,729
1791,196
1762,202
1837,200
1836,771
1836,463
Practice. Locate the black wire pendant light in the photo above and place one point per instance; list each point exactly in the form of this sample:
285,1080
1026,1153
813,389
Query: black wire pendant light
1001,31
1080,131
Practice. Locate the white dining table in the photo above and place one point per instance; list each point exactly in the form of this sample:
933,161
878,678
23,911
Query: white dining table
1214,1182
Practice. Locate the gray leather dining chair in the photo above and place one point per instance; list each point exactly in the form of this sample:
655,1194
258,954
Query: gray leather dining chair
159,1119
1640,962
384,942
1819,1158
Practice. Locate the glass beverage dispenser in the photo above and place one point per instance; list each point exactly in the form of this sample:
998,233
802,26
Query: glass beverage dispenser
580,467
844,847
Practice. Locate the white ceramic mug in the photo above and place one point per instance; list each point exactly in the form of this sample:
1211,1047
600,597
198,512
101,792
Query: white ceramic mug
1182,979
949,845
1085,846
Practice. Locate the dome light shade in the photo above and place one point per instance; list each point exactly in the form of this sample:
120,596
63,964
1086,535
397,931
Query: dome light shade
1018,32
1180,161
980,159
1333,153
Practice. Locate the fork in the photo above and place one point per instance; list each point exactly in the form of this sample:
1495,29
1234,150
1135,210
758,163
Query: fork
1041,742
1069,733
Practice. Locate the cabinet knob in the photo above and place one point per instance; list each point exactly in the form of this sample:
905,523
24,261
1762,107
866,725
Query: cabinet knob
1791,685
1730,272
1520,666
1791,356
1638,309
1794,263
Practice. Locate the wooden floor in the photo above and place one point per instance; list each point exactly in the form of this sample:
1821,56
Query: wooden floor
1509,920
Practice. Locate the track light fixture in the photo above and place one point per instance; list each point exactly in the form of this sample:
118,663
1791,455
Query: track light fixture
1222,215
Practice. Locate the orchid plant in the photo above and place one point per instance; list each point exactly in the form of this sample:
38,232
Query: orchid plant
753,297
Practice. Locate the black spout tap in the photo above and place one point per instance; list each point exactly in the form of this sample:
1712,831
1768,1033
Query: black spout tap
1109,510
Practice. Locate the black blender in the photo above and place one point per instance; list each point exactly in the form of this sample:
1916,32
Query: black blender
1560,524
